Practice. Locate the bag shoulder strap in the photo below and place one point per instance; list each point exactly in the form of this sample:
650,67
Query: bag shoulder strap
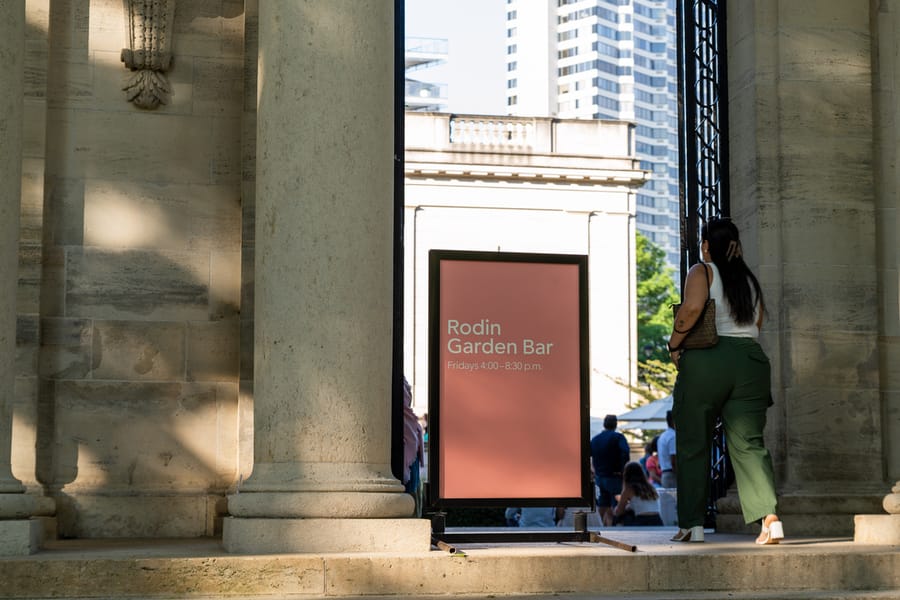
705,304
706,269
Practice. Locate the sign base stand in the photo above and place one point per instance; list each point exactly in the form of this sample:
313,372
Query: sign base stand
445,540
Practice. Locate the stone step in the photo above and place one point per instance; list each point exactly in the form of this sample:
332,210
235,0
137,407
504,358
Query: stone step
803,595
726,566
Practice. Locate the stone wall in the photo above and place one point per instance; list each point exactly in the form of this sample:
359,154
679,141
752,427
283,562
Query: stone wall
130,276
803,190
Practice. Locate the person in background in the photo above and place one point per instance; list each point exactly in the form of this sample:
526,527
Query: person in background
512,515
639,501
413,448
665,450
648,452
609,453
731,379
540,516
651,465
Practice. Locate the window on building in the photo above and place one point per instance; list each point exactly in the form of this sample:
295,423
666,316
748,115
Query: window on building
610,50
647,45
600,65
610,33
607,103
606,85
649,12
649,80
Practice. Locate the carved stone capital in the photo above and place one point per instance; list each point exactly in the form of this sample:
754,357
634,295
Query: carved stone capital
149,25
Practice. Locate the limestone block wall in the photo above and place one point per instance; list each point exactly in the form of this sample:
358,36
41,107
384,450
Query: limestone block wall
129,327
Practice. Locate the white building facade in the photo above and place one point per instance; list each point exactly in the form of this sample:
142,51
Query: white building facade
606,59
527,185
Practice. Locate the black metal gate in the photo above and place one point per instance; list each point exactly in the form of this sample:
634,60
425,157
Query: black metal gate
703,141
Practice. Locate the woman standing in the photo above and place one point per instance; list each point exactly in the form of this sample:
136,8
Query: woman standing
731,380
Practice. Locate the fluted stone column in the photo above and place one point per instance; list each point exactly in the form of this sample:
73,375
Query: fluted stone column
19,534
321,478
803,189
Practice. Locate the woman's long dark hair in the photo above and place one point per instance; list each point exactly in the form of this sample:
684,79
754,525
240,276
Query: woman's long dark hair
633,475
727,254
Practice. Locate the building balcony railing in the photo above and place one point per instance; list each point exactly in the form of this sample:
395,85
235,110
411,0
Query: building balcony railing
540,135
426,91
425,96
492,132
425,52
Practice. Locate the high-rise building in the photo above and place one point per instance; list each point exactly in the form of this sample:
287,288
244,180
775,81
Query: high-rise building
424,53
606,59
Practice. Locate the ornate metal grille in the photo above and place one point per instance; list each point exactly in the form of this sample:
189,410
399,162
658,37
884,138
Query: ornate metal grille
703,131
703,140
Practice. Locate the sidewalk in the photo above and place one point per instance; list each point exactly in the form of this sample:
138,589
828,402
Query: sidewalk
725,566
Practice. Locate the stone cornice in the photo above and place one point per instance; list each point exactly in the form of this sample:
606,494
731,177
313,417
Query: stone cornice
568,170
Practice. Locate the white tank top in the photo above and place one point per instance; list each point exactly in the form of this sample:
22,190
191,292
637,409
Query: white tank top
725,324
643,507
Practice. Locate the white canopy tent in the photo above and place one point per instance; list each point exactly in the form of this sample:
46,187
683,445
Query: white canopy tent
648,416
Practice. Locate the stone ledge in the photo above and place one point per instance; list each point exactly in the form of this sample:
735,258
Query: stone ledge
278,536
877,529
20,537
23,506
730,566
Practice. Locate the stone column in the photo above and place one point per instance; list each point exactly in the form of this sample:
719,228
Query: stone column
19,534
321,478
803,191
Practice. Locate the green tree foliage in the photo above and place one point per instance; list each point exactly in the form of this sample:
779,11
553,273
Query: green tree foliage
656,292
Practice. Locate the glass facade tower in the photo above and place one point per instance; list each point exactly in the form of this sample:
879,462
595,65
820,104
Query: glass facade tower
606,59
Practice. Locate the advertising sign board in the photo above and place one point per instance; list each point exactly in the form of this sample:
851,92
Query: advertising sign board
508,386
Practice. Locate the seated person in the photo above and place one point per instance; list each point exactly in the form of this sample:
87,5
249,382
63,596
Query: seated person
540,516
639,501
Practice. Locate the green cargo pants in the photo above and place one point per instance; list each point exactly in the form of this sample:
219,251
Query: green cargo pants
731,380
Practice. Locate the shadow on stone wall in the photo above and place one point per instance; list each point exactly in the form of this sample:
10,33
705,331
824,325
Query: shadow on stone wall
130,305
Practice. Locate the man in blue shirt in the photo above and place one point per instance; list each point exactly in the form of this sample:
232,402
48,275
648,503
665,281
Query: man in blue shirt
609,454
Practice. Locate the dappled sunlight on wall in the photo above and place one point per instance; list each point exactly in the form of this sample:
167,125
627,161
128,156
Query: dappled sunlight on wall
129,337
124,221
24,439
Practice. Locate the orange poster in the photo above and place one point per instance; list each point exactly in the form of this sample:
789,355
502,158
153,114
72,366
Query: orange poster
510,345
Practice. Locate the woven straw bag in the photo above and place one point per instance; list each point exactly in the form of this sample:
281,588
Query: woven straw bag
703,334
